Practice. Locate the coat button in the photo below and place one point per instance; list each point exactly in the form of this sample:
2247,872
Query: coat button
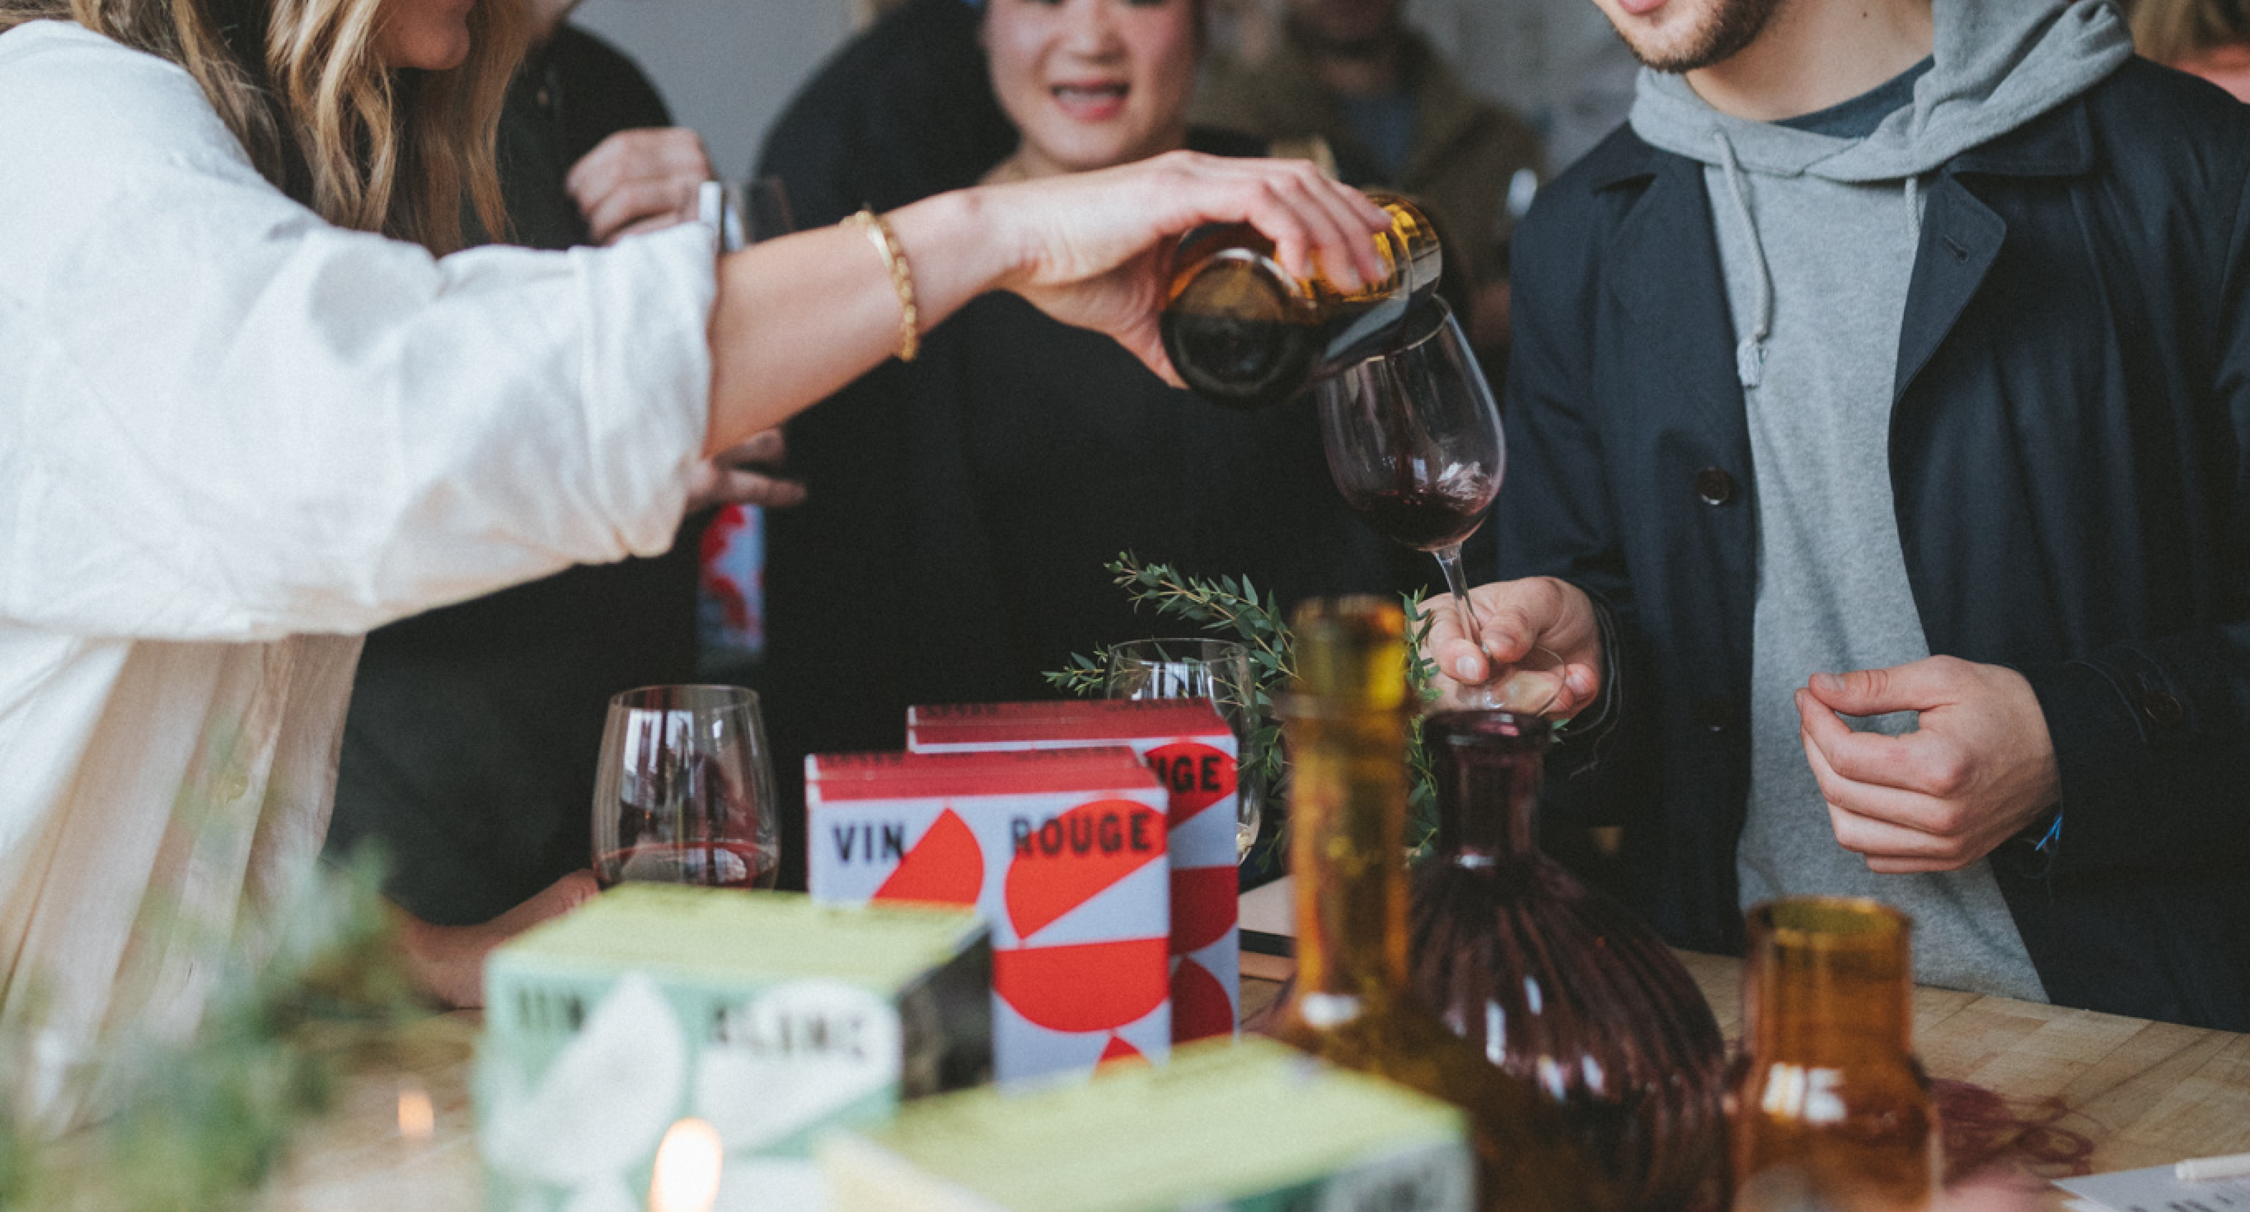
1712,714
2163,708
1713,486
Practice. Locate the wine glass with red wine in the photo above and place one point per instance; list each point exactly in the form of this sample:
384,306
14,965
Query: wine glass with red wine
685,793
1414,444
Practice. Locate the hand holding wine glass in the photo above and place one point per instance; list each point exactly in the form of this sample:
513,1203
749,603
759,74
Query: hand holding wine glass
1518,617
1414,443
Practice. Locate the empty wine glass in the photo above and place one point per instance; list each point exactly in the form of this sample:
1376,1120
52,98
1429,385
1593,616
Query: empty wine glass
685,794
1414,444
1217,670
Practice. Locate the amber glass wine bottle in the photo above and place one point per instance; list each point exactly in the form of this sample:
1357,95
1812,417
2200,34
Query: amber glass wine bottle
1244,332
1830,1108
1352,1003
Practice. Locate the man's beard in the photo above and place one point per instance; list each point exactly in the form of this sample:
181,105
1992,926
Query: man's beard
1731,26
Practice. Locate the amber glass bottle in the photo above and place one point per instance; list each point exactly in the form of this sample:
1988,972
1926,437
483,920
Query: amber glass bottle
1244,332
1352,1003
1830,1107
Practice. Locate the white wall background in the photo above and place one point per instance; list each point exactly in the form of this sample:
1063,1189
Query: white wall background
726,67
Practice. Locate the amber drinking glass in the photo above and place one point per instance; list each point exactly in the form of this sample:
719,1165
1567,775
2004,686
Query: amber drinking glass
1558,984
1831,1110
1345,726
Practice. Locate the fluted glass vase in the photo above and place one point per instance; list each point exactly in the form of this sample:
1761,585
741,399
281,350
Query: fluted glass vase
1556,982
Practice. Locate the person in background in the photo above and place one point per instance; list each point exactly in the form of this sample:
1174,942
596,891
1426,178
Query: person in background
470,745
901,112
1352,73
956,539
257,403
1558,63
1875,426
2208,38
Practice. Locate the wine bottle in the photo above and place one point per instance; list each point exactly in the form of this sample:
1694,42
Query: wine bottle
1352,1003
1244,332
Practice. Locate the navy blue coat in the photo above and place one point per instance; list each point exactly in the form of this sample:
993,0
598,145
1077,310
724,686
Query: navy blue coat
2069,447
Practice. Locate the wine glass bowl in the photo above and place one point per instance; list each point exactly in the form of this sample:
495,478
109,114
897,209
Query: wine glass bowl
1414,444
1413,434
685,791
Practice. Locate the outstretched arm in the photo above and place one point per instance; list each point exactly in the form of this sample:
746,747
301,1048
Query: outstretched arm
800,316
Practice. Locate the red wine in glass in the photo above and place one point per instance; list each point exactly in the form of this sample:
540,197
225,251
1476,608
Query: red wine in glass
1424,517
684,793
712,865
1414,444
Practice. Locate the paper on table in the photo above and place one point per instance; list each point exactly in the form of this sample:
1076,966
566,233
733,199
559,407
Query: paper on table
2156,1189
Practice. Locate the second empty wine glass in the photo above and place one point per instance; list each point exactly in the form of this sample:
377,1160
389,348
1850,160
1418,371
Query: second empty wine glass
684,794
1414,444
1218,670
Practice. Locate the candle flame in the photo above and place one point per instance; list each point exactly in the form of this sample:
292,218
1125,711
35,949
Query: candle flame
417,1120
687,1168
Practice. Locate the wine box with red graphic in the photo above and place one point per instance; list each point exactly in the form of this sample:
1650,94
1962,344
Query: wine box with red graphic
769,1017
1193,752
1062,852
1226,1127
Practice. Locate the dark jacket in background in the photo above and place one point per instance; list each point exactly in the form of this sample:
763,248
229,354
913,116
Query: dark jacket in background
474,730
1465,150
903,111
2070,442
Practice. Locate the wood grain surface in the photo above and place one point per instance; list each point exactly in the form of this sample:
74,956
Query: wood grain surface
2143,1093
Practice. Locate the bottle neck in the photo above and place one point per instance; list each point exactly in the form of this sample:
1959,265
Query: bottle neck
1347,854
1487,766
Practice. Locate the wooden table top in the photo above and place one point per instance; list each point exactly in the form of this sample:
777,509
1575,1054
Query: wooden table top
2143,1093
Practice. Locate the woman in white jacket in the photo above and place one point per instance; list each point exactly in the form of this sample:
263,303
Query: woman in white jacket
248,412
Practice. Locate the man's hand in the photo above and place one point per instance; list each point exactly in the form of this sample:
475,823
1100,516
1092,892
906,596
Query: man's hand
744,475
639,180
1519,615
447,962
1978,770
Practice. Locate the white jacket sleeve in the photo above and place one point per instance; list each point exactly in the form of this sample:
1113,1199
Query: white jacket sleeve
223,419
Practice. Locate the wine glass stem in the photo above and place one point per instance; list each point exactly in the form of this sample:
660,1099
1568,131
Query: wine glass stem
1449,559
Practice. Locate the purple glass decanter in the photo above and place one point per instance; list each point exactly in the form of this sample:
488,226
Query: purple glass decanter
1556,982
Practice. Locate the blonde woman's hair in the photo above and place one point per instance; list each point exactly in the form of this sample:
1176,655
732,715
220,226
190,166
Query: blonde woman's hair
297,81
2175,31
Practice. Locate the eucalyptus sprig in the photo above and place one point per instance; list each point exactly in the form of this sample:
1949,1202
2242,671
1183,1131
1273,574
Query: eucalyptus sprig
1233,607
1227,605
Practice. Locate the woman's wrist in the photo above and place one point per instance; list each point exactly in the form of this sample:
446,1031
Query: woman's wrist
963,244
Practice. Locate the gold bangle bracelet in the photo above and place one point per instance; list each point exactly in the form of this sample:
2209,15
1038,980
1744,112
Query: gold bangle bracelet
886,242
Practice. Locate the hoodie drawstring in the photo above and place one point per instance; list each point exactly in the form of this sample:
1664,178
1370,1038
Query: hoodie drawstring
1750,355
1914,211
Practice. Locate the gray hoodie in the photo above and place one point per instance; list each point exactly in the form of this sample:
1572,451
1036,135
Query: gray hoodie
1818,236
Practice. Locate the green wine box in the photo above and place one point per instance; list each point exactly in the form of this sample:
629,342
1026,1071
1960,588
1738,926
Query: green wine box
1225,1127
768,1017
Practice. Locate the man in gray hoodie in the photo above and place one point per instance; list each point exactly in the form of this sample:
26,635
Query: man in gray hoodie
1832,357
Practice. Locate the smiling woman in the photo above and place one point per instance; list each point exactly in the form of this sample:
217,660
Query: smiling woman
1092,83
986,486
